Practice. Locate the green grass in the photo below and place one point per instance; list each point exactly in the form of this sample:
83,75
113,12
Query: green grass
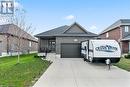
22,74
124,64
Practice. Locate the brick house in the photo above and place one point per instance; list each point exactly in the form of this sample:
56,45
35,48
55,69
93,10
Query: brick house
9,40
120,31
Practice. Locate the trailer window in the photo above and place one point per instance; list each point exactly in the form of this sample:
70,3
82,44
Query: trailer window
85,48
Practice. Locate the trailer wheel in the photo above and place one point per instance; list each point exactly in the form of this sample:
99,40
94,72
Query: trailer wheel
84,59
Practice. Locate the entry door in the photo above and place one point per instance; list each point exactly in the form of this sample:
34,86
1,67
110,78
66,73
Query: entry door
52,46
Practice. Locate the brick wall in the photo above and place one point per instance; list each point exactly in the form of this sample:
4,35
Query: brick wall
116,34
11,44
3,45
113,34
125,46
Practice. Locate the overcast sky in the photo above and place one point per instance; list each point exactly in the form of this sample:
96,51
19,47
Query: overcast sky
94,15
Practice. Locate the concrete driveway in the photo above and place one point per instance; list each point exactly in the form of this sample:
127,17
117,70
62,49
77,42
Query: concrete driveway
77,73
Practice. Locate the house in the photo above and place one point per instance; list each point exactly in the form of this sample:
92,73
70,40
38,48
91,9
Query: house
64,41
120,31
9,34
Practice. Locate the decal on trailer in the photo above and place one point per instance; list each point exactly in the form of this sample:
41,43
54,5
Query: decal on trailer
106,48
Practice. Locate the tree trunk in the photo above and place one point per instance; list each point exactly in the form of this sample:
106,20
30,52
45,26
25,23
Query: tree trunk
18,61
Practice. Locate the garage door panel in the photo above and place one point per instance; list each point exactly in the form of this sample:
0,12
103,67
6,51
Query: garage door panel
70,50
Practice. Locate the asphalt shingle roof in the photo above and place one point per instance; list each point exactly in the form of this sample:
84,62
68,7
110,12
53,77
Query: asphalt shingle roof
126,38
53,32
117,24
60,32
14,30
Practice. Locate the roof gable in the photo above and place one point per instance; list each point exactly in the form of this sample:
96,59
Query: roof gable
117,24
53,32
75,29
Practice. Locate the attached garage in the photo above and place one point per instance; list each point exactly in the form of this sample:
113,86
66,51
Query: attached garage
70,50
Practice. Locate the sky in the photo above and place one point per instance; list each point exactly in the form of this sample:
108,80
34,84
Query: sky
93,15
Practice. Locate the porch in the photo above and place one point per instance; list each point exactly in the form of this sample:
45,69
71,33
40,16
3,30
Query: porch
47,44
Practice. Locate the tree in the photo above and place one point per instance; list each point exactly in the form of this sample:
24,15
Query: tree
21,30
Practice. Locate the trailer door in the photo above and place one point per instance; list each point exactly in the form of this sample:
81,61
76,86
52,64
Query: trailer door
87,47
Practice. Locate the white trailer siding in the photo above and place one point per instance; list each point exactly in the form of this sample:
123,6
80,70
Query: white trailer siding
83,48
106,48
101,50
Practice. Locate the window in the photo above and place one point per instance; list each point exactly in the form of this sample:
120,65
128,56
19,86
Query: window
107,35
126,29
30,44
85,48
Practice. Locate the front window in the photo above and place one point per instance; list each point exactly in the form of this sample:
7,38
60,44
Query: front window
30,44
107,35
126,29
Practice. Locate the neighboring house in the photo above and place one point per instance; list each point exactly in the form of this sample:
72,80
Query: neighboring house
120,31
9,40
64,40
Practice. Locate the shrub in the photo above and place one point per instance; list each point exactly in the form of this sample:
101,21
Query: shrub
127,56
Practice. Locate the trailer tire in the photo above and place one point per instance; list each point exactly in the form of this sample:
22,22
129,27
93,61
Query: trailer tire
84,59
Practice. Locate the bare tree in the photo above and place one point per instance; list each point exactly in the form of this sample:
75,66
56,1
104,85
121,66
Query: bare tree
21,31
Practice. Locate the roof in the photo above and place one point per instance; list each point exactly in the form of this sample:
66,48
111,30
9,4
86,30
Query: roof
4,28
117,24
126,38
53,32
60,31
15,30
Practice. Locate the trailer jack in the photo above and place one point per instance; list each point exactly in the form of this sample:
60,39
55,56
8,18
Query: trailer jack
108,62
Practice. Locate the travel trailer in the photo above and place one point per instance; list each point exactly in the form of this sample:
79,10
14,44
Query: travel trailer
93,50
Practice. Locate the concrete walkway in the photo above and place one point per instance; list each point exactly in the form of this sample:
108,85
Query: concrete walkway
77,73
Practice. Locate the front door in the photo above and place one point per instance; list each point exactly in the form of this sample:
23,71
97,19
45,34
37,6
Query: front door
52,45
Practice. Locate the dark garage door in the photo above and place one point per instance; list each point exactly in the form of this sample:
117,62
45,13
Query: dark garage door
70,50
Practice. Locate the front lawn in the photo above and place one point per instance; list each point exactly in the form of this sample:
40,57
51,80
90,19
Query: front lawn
22,74
124,64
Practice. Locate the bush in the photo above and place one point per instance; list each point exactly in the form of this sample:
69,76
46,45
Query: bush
36,56
127,56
